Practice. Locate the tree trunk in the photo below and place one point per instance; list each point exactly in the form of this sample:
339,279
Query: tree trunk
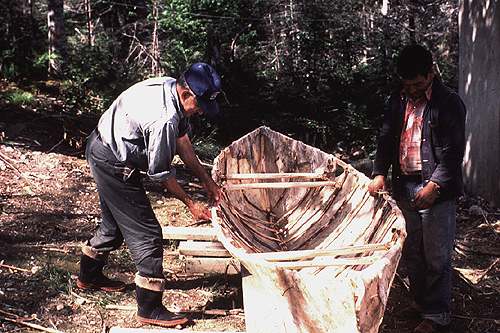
90,24
276,60
479,88
56,36
155,47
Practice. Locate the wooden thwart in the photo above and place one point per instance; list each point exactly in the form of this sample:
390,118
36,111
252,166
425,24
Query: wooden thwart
326,262
230,187
307,254
307,175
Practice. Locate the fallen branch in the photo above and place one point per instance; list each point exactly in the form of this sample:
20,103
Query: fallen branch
55,146
35,326
5,159
81,297
121,307
209,312
460,247
14,268
497,235
403,282
159,330
9,313
475,276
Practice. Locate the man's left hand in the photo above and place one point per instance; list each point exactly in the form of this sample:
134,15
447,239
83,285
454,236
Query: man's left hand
426,197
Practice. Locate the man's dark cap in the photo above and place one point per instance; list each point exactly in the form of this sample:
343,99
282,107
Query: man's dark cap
205,83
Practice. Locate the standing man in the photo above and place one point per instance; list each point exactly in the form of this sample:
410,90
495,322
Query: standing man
142,131
423,139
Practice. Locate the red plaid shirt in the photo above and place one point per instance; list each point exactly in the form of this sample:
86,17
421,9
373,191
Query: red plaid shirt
409,149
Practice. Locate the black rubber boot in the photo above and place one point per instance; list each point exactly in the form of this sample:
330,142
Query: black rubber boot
91,276
150,309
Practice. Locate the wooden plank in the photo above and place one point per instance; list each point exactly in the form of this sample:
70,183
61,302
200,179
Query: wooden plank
307,254
207,265
189,233
307,175
159,330
231,187
202,249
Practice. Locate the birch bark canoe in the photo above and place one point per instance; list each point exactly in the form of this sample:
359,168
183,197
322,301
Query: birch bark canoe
316,257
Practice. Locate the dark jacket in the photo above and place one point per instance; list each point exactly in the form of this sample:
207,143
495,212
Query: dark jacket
442,146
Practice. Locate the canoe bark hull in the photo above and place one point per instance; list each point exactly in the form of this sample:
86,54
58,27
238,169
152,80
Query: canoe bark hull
329,293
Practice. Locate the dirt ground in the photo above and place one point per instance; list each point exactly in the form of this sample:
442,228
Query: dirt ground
49,206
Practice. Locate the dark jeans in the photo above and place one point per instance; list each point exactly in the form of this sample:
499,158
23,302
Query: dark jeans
126,211
427,252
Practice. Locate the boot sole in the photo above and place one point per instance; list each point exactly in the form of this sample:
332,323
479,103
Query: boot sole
91,286
163,323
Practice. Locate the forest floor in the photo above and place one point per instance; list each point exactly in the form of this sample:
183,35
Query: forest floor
49,206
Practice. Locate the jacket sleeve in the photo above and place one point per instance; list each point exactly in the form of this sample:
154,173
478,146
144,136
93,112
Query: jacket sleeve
161,144
450,153
386,141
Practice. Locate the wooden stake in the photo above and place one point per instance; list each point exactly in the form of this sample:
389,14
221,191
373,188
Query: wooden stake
231,187
307,254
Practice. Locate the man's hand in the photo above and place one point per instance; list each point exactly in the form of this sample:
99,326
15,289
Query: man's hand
214,192
186,153
426,197
199,211
377,185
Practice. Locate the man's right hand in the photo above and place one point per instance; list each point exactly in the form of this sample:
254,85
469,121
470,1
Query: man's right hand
199,211
377,185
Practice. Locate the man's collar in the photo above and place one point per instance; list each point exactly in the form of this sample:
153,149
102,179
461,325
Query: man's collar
428,94
176,100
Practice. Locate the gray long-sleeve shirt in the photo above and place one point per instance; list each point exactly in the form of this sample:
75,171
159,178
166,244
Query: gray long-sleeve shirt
142,125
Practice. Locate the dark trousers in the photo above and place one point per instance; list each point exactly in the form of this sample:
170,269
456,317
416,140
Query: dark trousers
427,252
126,211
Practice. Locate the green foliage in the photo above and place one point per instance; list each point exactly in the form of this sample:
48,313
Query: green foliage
318,70
19,97
57,279
207,149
